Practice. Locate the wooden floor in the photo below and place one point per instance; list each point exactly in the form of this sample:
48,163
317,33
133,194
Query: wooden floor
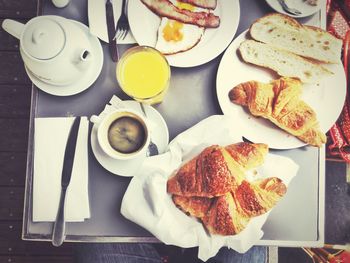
15,95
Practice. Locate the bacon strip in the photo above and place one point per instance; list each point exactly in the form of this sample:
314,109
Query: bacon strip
211,4
165,8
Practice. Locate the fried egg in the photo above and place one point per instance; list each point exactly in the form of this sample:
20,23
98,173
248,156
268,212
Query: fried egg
174,37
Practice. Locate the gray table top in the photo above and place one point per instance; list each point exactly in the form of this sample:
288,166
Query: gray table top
303,205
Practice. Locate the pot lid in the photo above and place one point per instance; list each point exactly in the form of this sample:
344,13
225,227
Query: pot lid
43,38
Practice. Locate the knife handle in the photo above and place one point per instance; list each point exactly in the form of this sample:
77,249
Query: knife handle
59,228
112,42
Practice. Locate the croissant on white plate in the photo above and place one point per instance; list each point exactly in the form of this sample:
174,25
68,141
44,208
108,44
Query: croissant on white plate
279,101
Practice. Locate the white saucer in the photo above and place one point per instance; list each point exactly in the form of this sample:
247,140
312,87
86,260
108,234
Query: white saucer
85,81
301,5
159,135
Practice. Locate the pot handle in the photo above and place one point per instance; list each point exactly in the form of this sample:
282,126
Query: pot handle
13,27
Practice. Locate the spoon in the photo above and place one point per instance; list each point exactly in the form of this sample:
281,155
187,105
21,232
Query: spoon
289,10
152,147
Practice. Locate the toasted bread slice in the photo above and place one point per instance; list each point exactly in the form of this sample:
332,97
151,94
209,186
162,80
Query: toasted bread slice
286,33
285,63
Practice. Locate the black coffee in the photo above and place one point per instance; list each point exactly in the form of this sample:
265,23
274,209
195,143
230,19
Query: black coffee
126,135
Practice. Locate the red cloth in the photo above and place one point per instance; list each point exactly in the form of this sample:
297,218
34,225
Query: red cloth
338,24
347,6
343,257
339,134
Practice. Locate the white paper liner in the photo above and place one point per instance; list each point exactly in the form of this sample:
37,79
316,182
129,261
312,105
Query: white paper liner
147,203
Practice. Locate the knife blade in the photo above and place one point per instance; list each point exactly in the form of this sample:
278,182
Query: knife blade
58,233
111,31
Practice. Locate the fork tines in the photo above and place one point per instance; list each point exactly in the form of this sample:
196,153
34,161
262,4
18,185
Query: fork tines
123,26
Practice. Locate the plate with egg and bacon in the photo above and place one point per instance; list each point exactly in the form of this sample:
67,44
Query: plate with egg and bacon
188,32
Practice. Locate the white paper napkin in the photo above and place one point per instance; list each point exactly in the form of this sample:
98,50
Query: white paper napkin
97,20
50,138
147,203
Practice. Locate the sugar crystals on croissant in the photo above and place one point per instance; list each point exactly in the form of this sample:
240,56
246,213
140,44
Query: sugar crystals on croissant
216,170
212,187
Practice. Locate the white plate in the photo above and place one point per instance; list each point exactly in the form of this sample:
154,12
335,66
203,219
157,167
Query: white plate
301,5
144,25
159,135
86,80
326,98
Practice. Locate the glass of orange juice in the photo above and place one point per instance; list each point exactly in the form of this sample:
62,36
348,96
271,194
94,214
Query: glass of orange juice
143,73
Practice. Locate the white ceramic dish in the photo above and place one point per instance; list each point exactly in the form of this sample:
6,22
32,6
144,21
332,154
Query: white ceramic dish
326,98
159,135
88,77
301,5
144,25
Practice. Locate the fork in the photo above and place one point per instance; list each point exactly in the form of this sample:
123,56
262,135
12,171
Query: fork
122,24
289,10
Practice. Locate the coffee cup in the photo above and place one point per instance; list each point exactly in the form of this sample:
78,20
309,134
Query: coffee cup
122,134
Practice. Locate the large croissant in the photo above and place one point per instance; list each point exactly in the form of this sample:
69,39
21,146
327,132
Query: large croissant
216,170
229,214
279,101
228,211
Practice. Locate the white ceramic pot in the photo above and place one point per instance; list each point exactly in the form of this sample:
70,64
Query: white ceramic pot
53,48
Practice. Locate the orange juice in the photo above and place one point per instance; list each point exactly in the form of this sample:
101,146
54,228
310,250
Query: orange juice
143,73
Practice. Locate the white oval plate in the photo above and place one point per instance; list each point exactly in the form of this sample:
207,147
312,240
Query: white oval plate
159,134
144,25
301,5
326,98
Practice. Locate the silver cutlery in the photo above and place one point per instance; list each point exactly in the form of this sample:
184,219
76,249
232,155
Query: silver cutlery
111,31
123,26
58,234
288,9
152,147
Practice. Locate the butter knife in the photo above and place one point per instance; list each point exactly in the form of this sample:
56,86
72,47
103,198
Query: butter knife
58,233
111,31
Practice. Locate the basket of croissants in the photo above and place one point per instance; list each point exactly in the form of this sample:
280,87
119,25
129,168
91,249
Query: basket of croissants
210,189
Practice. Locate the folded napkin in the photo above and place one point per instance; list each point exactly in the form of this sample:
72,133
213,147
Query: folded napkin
97,20
50,138
147,203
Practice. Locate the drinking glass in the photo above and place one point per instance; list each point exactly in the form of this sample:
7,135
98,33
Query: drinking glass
143,73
